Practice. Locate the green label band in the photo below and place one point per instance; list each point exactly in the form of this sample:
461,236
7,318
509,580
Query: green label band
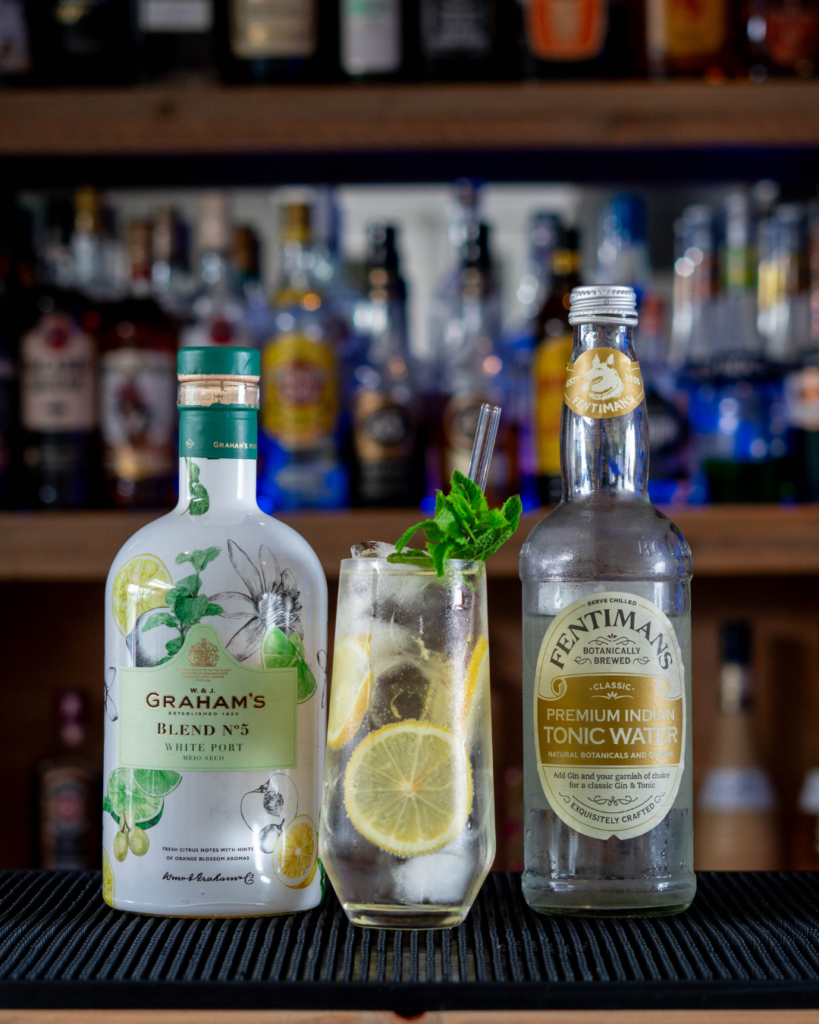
217,432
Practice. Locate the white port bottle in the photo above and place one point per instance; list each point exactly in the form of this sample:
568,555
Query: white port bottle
215,641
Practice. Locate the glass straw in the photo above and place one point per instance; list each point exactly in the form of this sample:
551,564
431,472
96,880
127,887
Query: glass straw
484,444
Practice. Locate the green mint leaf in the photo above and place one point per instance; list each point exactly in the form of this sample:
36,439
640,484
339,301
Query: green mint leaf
512,510
412,557
213,609
160,619
404,539
470,491
182,557
189,610
193,472
174,646
200,502
208,556
189,586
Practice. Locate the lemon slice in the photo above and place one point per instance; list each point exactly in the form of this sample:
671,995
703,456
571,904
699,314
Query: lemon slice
452,704
350,692
408,788
108,885
295,855
139,586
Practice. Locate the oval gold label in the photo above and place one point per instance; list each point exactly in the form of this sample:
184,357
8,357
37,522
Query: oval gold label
610,715
602,383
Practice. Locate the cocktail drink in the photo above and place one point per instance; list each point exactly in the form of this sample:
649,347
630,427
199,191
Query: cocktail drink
407,830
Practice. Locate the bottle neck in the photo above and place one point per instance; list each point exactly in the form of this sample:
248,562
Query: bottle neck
606,456
217,445
221,485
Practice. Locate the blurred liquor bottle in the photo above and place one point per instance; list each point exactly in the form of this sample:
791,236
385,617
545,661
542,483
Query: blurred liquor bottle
85,43
802,386
470,369
300,383
66,789
691,37
371,38
520,340
583,38
276,40
247,273
467,39
58,405
138,389
737,827
387,464
176,40
553,351
172,283
783,37
218,308
16,63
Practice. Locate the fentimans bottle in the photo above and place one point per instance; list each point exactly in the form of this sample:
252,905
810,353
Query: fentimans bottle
215,643
606,651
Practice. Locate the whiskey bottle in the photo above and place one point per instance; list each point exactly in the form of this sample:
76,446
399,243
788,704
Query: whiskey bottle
386,468
215,641
606,651
736,821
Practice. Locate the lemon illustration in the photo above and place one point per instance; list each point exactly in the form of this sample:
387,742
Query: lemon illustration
408,787
139,586
295,854
352,678
108,886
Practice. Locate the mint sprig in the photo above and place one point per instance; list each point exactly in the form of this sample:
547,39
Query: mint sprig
464,527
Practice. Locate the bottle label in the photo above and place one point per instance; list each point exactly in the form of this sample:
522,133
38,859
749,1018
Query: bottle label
383,433
610,715
566,29
204,711
736,790
456,28
270,29
371,37
299,387
67,808
694,28
603,383
549,375
137,399
58,377
218,432
792,35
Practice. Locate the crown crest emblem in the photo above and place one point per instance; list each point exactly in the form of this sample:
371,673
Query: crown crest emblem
204,654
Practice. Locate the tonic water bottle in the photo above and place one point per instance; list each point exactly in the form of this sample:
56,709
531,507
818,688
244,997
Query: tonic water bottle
606,651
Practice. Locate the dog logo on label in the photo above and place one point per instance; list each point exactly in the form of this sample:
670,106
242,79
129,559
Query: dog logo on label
603,381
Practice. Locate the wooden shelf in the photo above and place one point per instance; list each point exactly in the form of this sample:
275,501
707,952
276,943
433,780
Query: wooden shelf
361,118
728,540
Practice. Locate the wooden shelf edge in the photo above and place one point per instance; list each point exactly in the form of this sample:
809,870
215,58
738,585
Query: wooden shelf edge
164,121
747,540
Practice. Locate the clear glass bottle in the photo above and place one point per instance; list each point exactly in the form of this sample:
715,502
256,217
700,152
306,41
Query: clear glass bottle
606,652
215,657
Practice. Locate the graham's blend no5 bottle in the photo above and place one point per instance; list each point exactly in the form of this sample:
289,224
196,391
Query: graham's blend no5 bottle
215,640
606,651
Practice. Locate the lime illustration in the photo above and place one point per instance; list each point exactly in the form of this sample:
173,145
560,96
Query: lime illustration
127,797
154,782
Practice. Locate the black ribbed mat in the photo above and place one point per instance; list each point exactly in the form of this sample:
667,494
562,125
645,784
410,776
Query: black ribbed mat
749,941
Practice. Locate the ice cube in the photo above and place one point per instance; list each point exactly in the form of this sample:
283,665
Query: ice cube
437,878
372,549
